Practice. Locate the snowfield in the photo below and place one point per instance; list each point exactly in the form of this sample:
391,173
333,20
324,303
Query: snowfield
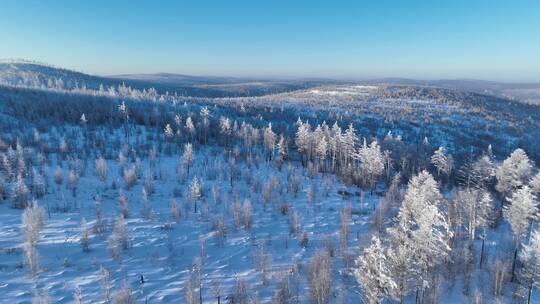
162,250
345,91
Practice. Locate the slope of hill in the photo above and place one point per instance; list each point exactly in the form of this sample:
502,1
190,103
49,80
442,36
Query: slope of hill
37,75
30,74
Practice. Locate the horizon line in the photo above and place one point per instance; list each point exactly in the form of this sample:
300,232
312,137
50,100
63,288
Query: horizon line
265,78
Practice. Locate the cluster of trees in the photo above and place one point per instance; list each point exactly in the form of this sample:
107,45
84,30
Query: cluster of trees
431,234
332,150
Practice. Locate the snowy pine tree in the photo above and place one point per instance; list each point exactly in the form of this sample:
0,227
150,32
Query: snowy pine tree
187,156
269,139
522,209
443,162
421,236
169,133
373,273
371,161
33,220
475,207
303,138
514,172
530,258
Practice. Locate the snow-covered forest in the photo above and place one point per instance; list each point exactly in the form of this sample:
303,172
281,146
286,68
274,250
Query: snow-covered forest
113,192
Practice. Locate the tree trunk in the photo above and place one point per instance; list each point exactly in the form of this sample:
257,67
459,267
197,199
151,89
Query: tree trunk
482,252
514,264
530,294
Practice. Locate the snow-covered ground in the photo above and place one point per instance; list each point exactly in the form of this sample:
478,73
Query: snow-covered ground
163,251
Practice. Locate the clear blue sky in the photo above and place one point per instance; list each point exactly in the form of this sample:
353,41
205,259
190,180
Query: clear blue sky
483,39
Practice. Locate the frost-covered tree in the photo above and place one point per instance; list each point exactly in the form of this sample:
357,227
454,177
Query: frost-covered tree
477,174
320,143
282,149
38,184
320,277
422,232
175,211
522,209
442,162
187,156
283,292
303,138
122,108
123,205
178,120
40,296
101,168
33,220
514,172
130,177
530,258
225,127
7,166
195,189
348,142
105,283
321,149
77,295
269,141
168,131
400,262
58,176
334,143
118,240
101,222
475,206
124,295
83,119
19,193
247,214
190,127
220,229
73,179
294,223
371,161
237,213
146,210
205,115
373,273
241,292
190,288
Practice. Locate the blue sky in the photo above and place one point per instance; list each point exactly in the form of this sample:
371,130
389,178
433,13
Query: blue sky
496,40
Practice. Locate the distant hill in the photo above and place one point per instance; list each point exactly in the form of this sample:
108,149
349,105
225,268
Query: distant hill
38,75
525,92
179,79
23,73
